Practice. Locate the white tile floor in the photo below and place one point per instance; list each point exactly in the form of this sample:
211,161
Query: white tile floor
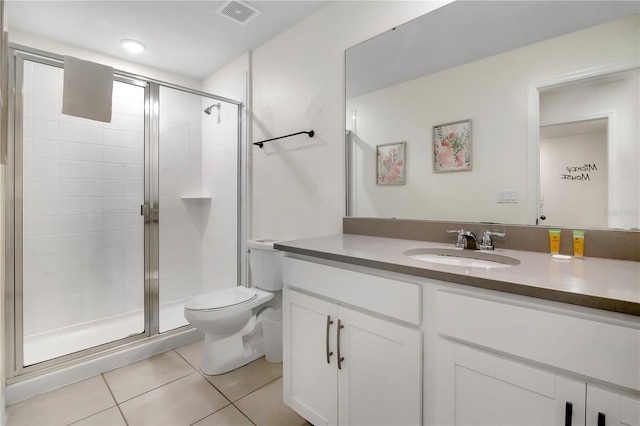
167,389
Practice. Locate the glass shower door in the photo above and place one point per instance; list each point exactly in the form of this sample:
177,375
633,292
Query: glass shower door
82,279
115,225
198,200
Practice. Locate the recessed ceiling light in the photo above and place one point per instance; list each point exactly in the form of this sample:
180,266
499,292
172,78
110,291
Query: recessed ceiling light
133,46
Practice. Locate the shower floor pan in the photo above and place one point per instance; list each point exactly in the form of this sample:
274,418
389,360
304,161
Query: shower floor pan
63,341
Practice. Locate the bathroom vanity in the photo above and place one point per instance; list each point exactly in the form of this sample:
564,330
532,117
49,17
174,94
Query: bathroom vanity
373,335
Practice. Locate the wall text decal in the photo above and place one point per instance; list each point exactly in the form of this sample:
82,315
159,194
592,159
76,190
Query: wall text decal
577,173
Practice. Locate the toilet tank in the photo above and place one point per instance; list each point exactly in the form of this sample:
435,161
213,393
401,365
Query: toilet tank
266,264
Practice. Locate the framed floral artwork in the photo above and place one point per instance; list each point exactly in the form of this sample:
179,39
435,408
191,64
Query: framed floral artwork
391,165
452,146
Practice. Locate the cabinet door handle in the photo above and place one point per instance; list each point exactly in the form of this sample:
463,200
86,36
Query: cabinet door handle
340,358
568,413
602,421
329,322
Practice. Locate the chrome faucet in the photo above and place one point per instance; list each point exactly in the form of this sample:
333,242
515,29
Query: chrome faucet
469,240
460,243
487,243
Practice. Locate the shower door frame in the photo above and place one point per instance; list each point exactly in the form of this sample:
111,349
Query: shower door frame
15,369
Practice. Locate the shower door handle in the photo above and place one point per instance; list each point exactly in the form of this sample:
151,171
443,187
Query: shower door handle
144,211
150,214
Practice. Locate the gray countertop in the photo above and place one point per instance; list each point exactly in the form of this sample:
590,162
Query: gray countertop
612,285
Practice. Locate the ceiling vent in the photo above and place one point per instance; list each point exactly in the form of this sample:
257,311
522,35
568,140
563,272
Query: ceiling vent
238,11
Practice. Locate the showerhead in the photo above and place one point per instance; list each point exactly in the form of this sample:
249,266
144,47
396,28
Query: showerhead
208,109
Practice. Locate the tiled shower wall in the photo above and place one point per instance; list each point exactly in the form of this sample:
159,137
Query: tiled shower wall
83,187
198,195
220,180
181,219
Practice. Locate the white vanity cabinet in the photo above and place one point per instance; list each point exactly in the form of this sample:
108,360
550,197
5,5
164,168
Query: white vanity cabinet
486,389
611,407
342,364
310,377
490,357
499,364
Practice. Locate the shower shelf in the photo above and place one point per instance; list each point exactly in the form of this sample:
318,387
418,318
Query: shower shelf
196,197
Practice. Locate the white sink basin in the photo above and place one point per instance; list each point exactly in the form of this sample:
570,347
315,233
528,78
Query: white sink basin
462,258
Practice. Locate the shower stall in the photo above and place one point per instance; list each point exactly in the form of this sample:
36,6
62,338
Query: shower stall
113,226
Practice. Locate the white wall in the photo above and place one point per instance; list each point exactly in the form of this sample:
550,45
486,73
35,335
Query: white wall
574,203
492,93
298,84
231,80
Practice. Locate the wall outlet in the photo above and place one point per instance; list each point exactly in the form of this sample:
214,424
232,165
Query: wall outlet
507,197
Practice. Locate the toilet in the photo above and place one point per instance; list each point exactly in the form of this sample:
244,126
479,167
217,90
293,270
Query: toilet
231,319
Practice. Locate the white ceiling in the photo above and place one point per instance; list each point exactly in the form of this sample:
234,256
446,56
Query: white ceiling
183,37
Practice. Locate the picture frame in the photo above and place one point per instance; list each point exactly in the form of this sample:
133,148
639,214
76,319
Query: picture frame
452,146
391,164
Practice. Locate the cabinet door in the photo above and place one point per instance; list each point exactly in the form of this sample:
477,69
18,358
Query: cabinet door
487,389
380,378
310,382
606,407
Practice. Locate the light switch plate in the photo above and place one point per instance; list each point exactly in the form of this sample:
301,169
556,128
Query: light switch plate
510,196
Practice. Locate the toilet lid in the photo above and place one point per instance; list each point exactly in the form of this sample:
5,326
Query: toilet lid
222,298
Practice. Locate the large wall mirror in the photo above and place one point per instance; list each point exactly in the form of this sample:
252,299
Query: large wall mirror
522,112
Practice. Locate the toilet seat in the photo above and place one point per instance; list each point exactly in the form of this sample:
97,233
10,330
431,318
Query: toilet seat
222,299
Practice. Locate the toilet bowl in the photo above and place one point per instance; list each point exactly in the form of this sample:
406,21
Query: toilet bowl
231,319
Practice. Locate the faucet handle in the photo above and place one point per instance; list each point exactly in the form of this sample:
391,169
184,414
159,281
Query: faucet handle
460,243
487,243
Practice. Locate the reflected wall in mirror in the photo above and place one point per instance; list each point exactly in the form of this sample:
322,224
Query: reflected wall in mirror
403,82
589,151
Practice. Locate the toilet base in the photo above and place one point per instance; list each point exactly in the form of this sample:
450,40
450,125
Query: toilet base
223,354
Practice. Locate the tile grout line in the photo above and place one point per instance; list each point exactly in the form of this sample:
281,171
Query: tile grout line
196,370
150,390
199,371
91,415
231,403
218,390
204,376
256,390
114,399
156,388
242,412
186,360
